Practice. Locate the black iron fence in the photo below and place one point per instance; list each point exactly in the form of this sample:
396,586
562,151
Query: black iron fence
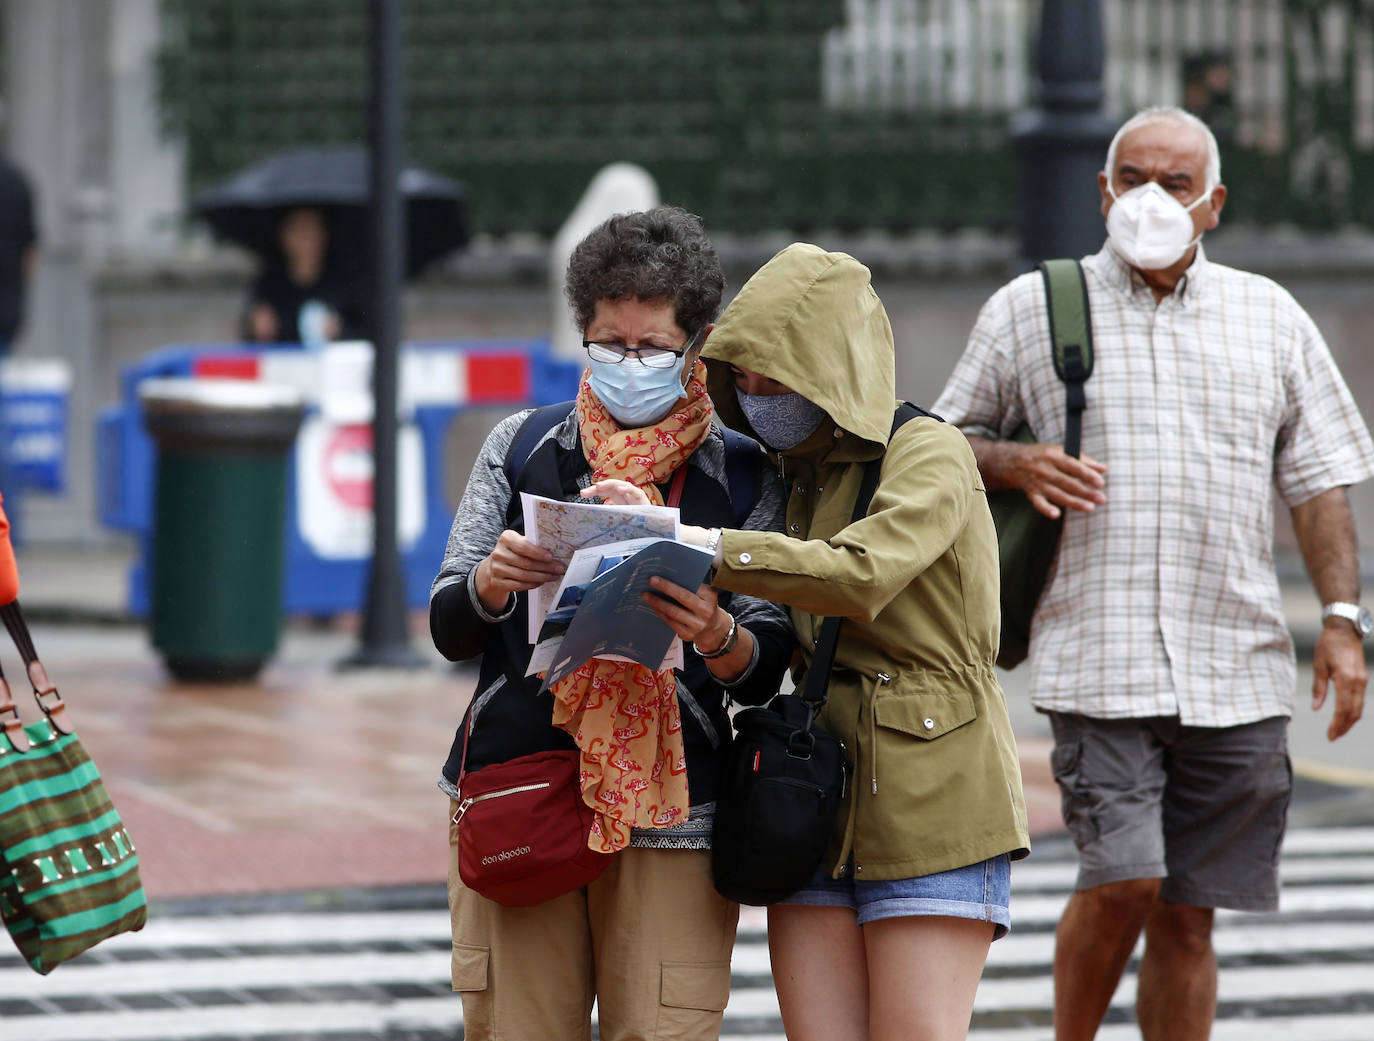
776,114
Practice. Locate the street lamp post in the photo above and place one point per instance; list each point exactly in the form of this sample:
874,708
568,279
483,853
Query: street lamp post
385,633
1061,144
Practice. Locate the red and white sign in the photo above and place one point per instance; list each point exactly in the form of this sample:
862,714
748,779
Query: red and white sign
334,472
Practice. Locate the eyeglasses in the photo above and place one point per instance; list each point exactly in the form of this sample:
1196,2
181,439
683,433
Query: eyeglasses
653,357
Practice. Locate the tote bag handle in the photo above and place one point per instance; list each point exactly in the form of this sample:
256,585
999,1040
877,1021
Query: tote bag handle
44,690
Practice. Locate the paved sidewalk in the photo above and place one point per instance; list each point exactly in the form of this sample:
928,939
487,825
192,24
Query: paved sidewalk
310,778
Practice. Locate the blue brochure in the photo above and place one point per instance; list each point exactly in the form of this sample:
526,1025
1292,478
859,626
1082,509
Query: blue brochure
612,618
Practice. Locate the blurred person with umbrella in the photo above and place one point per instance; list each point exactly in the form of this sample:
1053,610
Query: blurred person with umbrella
304,293
304,213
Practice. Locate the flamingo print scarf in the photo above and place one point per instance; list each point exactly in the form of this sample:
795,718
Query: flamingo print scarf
624,716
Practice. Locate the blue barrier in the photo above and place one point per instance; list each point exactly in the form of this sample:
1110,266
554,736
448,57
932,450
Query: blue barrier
34,396
327,550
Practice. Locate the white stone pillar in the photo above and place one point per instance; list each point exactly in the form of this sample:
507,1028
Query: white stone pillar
618,188
147,176
58,132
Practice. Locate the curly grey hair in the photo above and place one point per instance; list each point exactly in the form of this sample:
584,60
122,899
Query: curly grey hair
654,255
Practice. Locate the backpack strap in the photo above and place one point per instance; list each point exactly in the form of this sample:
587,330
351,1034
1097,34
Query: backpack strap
743,456
1071,332
905,411
530,433
818,674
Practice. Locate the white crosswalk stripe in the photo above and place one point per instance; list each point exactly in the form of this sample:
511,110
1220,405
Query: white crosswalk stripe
1303,974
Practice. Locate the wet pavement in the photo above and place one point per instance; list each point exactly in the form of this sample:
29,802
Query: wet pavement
315,776
311,777
293,846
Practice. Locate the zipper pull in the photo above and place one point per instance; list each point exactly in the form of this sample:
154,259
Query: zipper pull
462,809
883,680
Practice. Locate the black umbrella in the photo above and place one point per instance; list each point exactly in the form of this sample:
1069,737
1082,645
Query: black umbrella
248,208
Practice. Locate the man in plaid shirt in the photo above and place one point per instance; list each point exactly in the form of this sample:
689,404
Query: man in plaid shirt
1159,648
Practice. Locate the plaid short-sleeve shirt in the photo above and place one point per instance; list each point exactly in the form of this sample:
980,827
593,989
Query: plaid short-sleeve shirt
1165,601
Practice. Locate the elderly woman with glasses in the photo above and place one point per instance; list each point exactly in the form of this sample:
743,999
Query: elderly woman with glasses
648,940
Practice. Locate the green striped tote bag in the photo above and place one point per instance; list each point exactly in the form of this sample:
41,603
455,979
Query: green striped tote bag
68,869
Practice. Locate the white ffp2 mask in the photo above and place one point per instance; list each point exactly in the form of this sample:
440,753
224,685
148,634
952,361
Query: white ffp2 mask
1149,227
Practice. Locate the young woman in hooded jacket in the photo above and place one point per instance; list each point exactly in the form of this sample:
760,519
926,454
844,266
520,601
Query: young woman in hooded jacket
889,941
649,940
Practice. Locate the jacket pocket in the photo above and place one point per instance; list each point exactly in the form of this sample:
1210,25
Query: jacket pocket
696,985
470,967
925,715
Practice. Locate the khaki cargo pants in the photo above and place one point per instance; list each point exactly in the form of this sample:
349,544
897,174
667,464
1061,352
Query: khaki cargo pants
649,940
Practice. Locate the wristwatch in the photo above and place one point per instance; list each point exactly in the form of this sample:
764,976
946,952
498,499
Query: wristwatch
726,645
712,541
1355,614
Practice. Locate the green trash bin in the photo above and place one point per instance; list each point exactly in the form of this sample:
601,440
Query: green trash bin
219,521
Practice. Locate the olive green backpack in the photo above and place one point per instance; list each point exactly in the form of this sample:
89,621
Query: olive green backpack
1027,539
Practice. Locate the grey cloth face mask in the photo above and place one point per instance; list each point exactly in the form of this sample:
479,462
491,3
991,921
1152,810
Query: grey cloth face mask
782,421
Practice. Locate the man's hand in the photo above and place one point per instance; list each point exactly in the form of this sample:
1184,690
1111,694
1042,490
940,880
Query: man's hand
514,565
1339,660
1052,479
1325,529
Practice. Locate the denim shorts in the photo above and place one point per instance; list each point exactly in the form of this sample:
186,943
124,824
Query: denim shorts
980,891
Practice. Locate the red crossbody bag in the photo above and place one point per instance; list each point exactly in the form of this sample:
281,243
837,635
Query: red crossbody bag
523,827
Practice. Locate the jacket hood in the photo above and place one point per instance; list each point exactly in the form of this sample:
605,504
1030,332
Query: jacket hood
811,320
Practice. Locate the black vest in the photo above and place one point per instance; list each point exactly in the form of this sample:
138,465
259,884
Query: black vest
515,719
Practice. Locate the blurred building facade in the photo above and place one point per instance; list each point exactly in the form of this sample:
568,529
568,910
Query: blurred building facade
877,126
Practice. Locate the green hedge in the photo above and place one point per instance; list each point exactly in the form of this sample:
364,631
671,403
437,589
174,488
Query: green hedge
721,100
523,101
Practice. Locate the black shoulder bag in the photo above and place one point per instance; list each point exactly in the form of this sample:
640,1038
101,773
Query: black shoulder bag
785,776
1026,539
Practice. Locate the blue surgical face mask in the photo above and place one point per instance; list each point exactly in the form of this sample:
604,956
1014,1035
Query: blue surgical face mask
634,394
782,421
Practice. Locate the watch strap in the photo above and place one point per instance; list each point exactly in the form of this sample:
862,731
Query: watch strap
1355,614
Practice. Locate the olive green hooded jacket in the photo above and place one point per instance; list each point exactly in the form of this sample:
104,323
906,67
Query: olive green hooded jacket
913,694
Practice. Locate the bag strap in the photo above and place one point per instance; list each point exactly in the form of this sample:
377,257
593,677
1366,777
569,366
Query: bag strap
530,433
1071,335
818,675
44,690
467,738
743,457
675,489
